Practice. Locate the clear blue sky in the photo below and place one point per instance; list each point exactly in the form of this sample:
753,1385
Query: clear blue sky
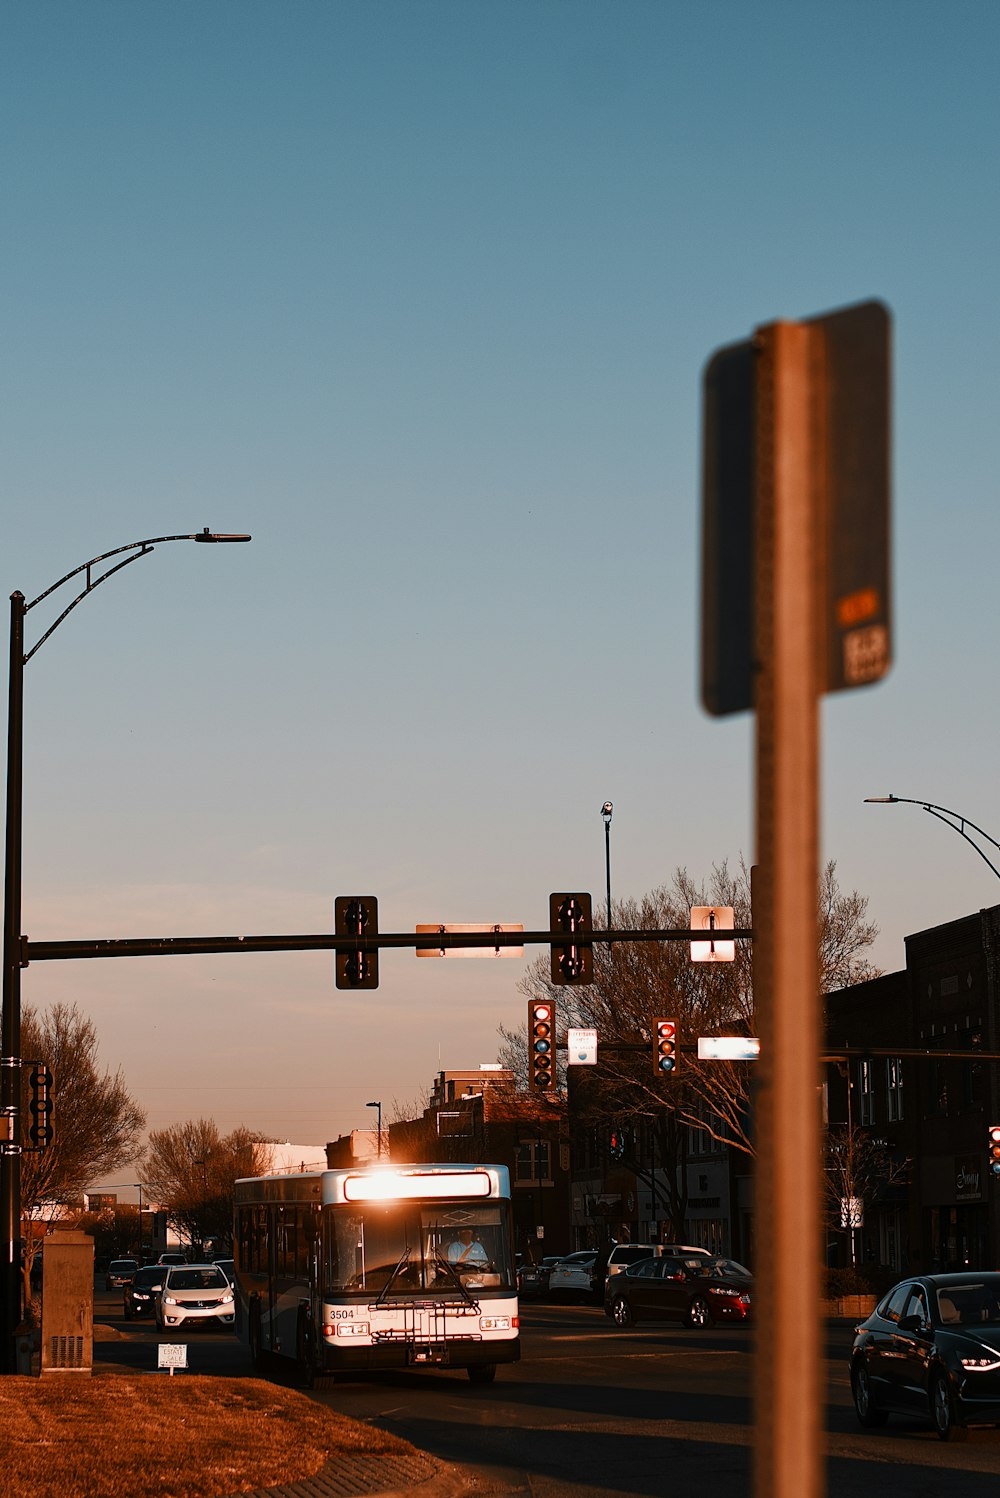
421,294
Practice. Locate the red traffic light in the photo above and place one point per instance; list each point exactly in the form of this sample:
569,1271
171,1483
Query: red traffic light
665,1047
994,1149
541,1043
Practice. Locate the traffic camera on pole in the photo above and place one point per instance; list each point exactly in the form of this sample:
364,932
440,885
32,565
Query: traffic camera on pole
665,1047
41,1130
542,1044
994,1149
356,915
572,959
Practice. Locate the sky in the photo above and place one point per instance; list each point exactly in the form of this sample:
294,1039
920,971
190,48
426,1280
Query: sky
421,296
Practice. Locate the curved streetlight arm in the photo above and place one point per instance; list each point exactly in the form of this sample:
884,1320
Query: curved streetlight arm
952,819
137,549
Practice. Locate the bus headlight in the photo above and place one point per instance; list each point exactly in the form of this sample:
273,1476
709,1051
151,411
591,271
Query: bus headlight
347,1329
494,1323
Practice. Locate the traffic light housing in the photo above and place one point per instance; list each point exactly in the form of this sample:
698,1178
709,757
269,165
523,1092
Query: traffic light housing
665,1055
41,1130
573,959
356,915
542,1044
994,1151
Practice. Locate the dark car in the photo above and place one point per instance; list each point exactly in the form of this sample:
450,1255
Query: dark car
120,1272
931,1348
533,1279
139,1295
697,1290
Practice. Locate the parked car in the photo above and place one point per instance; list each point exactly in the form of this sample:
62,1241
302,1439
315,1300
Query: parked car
140,1293
931,1348
571,1277
228,1267
172,1258
120,1272
697,1289
533,1279
624,1254
194,1293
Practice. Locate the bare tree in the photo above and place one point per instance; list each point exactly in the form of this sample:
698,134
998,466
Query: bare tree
97,1121
637,983
190,1169
859,1167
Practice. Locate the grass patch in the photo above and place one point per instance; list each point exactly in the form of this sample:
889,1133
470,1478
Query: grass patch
152,1436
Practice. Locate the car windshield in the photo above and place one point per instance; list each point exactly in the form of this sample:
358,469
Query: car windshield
145,1279
724,1269
208,1278
973,1302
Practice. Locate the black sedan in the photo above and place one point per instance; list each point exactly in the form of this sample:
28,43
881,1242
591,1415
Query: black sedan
698,1291
140,1294
931,1348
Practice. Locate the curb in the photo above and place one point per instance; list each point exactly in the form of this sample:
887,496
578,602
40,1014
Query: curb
375,1477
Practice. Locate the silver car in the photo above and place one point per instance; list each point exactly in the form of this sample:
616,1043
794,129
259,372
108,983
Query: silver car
195,1293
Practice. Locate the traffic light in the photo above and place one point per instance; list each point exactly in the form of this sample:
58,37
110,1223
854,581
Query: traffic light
356,915
572,960
995,1150
40,1129
665,1047
542,1044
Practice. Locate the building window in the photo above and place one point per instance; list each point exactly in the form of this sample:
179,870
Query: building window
894,1088
867,1091
533,1161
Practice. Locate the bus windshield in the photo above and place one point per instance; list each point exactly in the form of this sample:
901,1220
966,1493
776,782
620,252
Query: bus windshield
406,1247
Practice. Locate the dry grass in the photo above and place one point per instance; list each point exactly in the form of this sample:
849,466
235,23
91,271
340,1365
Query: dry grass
152,1436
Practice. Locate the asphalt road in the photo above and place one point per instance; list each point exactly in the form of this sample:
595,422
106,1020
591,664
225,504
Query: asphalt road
613,1414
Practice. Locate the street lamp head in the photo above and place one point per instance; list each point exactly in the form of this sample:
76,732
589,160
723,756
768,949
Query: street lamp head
606,811
214,536
373,1105
881,800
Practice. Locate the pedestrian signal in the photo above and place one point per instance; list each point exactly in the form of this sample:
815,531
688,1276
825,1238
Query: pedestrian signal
542,1044
665,1047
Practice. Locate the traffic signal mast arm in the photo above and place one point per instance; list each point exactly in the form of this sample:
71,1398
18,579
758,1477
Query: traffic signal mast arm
166,946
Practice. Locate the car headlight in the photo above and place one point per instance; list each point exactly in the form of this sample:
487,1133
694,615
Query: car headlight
987,1362
169,1300
227,1299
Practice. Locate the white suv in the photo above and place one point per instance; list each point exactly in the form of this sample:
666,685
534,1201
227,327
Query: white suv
195,1292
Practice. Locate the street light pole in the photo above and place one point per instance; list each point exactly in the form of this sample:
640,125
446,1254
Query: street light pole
378,1146
951,819
10,1025
606,811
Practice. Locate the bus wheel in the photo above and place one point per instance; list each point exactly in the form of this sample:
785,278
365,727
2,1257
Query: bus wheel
304,1350
256,1355
482,1373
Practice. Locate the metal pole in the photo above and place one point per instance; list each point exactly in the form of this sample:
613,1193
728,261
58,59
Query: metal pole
10,1043
786,1195
606,811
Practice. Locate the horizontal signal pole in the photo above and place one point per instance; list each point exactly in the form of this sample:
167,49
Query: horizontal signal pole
193,946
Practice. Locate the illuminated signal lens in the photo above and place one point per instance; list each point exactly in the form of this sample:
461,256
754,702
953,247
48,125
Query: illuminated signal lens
665,1047
994,1149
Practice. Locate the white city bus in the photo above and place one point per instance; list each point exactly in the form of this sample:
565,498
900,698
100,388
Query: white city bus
382,1266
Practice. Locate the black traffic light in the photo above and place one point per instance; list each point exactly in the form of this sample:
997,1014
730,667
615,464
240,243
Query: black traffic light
40,1106
542,1044
665,1047
572,960
356,915
994,1148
